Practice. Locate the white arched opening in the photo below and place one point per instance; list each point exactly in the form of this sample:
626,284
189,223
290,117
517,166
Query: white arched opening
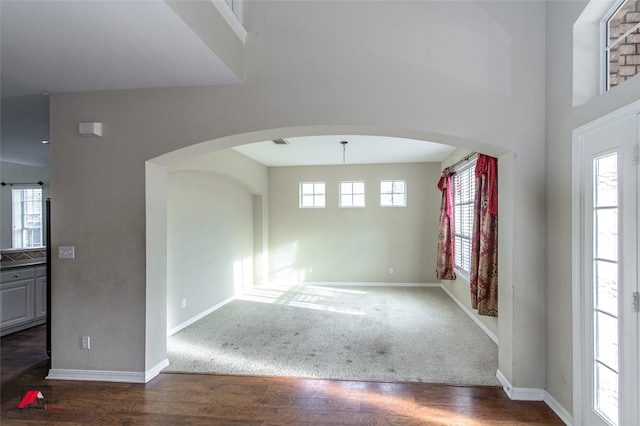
156,225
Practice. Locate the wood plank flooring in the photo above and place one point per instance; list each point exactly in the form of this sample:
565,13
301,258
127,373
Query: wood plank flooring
194,399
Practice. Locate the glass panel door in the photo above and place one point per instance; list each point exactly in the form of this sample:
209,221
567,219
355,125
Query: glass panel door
606,379
605,287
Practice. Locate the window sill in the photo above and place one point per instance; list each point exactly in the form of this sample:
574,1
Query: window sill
463,275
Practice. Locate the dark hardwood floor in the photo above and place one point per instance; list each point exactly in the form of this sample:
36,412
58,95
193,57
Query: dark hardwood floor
192,399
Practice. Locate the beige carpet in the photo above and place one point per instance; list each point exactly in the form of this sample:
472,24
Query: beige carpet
413,334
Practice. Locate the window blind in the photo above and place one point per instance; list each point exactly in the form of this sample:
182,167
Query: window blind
463,199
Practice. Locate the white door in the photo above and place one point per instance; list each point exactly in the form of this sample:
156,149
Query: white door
606,281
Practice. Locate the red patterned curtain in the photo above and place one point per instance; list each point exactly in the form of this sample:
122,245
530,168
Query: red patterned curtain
444,265
484,240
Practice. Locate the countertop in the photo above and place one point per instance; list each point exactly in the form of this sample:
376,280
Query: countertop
22,263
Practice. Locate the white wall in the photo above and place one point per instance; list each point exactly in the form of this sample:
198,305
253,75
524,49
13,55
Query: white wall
10,172
252,176
210,242
310,68
354,244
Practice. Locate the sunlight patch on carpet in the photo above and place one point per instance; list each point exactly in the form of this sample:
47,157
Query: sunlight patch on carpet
390,334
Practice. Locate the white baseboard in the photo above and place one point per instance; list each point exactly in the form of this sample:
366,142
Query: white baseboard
155,370
520,394
198,317
471,315
368,284
97,375
107,376
533,394
558,409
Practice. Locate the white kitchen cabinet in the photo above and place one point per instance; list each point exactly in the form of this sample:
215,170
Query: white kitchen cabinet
22,299
41,293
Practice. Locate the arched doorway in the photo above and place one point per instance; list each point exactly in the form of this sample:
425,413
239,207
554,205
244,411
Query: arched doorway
156,196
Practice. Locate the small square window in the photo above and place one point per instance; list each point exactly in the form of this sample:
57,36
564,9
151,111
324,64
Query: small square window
312,195
352,194
393,193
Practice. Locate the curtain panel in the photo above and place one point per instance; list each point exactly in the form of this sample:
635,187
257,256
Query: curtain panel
445,261
484,240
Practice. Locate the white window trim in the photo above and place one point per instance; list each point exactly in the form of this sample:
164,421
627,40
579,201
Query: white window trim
233,16
405,193
364,193
42,213
604,42
581,392
314,195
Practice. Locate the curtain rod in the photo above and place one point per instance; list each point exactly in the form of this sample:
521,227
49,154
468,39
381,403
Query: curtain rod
21,183
457,163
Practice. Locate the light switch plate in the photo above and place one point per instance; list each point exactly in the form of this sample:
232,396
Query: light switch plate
66,252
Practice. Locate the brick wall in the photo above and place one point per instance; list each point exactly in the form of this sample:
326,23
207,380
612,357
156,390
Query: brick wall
624,57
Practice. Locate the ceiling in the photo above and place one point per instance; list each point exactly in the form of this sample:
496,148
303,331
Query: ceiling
327,150
69,46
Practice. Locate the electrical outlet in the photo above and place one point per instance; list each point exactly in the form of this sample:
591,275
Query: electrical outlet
86,342
310,269
391,270
184,303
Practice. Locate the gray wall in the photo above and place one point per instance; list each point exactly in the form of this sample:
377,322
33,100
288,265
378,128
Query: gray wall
387,83
354,244
210,242
10,172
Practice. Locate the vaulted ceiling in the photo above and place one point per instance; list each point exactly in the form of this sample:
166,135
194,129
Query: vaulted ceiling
69,46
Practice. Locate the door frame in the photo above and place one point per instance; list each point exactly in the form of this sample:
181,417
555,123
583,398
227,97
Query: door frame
580,396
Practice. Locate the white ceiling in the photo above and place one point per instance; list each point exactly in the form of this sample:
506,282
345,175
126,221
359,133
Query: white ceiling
67,46
327,150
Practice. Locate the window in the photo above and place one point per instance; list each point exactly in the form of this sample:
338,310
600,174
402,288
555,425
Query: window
26,217
312,195
236,8
464,184
621,28
351,194
393,193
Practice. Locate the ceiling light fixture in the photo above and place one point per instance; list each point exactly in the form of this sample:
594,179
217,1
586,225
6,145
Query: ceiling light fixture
344,151
45,142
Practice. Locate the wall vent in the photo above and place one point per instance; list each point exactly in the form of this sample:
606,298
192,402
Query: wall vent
280,142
